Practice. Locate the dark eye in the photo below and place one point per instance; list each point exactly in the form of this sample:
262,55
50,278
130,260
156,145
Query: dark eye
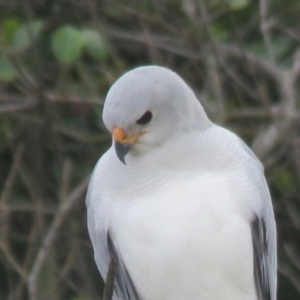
145,118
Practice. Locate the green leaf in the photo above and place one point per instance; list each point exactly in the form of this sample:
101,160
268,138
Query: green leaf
9,28
94,44
7,70
67,43
280,44
237,4
25,35
284,179
259,48
218,32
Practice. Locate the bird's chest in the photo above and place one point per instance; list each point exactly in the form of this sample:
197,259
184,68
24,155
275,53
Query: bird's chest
174,212
187,233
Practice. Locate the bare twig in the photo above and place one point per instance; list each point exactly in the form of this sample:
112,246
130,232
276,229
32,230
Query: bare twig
51,234
291,275
215,79
28,207
265,26
13,263
235,52
293,254
16,107
176,45
76,134
6,192
66,178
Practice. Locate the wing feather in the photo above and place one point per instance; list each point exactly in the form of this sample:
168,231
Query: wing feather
260,254
104,247
263,231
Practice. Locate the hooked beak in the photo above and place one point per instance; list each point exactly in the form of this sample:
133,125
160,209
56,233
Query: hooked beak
123,143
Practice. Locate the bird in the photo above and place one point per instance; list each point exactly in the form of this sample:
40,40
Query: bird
180,204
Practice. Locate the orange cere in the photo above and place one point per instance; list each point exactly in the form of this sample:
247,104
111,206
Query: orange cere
120,136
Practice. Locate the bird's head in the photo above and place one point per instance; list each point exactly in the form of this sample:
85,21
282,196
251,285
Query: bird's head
146,106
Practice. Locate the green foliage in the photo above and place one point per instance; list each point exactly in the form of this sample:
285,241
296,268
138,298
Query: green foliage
238,4
26,34
280,46
7,69
285,180
219,32
95,45
67,43
8,29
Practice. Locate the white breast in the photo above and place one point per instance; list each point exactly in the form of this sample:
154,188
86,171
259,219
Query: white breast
187,240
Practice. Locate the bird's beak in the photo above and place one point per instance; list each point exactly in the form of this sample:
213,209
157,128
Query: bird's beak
123,143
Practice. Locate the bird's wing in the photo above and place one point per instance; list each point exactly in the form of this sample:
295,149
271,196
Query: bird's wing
264,250
104,247
263,230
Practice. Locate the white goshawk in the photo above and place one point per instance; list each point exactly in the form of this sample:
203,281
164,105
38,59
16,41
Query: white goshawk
181,204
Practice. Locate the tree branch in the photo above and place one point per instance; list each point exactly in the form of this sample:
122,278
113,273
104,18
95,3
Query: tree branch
51,234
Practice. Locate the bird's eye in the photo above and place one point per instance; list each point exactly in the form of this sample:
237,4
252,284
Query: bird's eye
145,118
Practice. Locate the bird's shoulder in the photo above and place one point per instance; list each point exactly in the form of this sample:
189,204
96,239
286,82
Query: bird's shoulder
223,147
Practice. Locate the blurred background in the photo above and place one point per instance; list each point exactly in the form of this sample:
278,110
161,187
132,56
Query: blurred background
58,59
